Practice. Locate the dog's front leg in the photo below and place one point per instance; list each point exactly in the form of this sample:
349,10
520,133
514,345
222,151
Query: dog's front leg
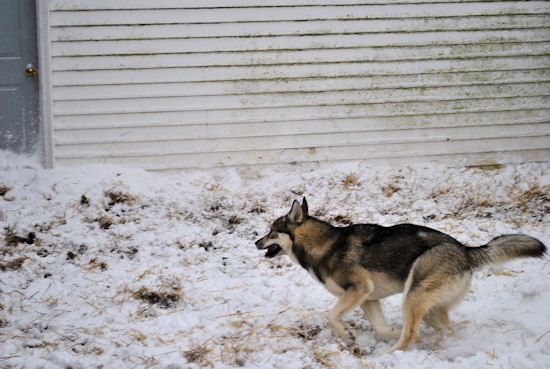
351,298
373,311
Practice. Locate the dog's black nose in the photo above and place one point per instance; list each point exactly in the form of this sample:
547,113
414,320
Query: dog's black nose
257,243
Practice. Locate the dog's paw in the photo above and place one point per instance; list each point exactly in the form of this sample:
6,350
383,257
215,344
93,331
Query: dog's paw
348,338
349,344
342,332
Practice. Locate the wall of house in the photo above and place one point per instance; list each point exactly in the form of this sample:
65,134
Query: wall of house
173,84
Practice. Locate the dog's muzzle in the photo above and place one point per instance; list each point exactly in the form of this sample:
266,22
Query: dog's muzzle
272,250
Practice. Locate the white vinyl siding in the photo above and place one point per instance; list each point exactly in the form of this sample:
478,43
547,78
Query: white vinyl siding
174,84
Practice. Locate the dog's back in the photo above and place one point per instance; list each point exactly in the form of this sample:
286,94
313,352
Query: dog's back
394,249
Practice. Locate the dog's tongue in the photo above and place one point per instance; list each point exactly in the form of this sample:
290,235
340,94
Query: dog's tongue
272,251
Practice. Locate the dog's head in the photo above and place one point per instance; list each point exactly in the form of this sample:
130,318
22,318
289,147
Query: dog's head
280,238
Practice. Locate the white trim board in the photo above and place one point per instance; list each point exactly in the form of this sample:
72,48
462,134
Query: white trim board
45,84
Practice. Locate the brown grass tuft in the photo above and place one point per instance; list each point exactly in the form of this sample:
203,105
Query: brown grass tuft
528,200
390,189
351,180
105,222
13,264
196,355
234,220
97,264
119,197
441,191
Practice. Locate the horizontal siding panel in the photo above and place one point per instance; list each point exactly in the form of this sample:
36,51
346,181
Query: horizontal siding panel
269,14
426,135
149,105
377,123
300,57
235,130
190,4
347,152
132,134
168,31
365,69
298,113
188,45
453,159
99,92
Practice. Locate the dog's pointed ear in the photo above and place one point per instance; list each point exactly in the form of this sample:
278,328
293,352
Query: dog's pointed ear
296,215
305,209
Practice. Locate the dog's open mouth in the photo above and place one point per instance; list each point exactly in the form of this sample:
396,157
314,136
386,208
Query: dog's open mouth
272,251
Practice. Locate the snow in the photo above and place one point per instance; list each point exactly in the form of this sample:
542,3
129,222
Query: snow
130,269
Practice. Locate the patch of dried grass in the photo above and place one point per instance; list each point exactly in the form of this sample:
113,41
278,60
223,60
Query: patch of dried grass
391,187
536,195
197,355
13,264
105,222
119,197
351,180
441,191
97,264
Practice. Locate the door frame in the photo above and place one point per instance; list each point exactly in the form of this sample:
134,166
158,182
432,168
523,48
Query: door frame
45,83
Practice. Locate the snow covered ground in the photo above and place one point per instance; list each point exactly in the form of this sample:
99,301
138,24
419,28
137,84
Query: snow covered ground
110,267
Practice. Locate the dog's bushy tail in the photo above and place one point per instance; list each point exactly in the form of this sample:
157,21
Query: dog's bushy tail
504,248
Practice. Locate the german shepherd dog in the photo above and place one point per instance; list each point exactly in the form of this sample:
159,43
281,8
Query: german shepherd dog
363,263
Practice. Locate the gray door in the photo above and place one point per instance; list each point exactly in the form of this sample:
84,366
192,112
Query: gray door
18,79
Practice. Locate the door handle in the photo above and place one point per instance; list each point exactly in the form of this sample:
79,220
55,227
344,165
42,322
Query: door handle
30,70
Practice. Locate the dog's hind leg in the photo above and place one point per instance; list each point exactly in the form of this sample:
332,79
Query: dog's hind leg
438,319
416,305
373,311
433,284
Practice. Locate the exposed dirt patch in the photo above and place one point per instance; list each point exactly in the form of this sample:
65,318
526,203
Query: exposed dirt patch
12,239
342,219
163,299
307,332
84,201
4,189
257,209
